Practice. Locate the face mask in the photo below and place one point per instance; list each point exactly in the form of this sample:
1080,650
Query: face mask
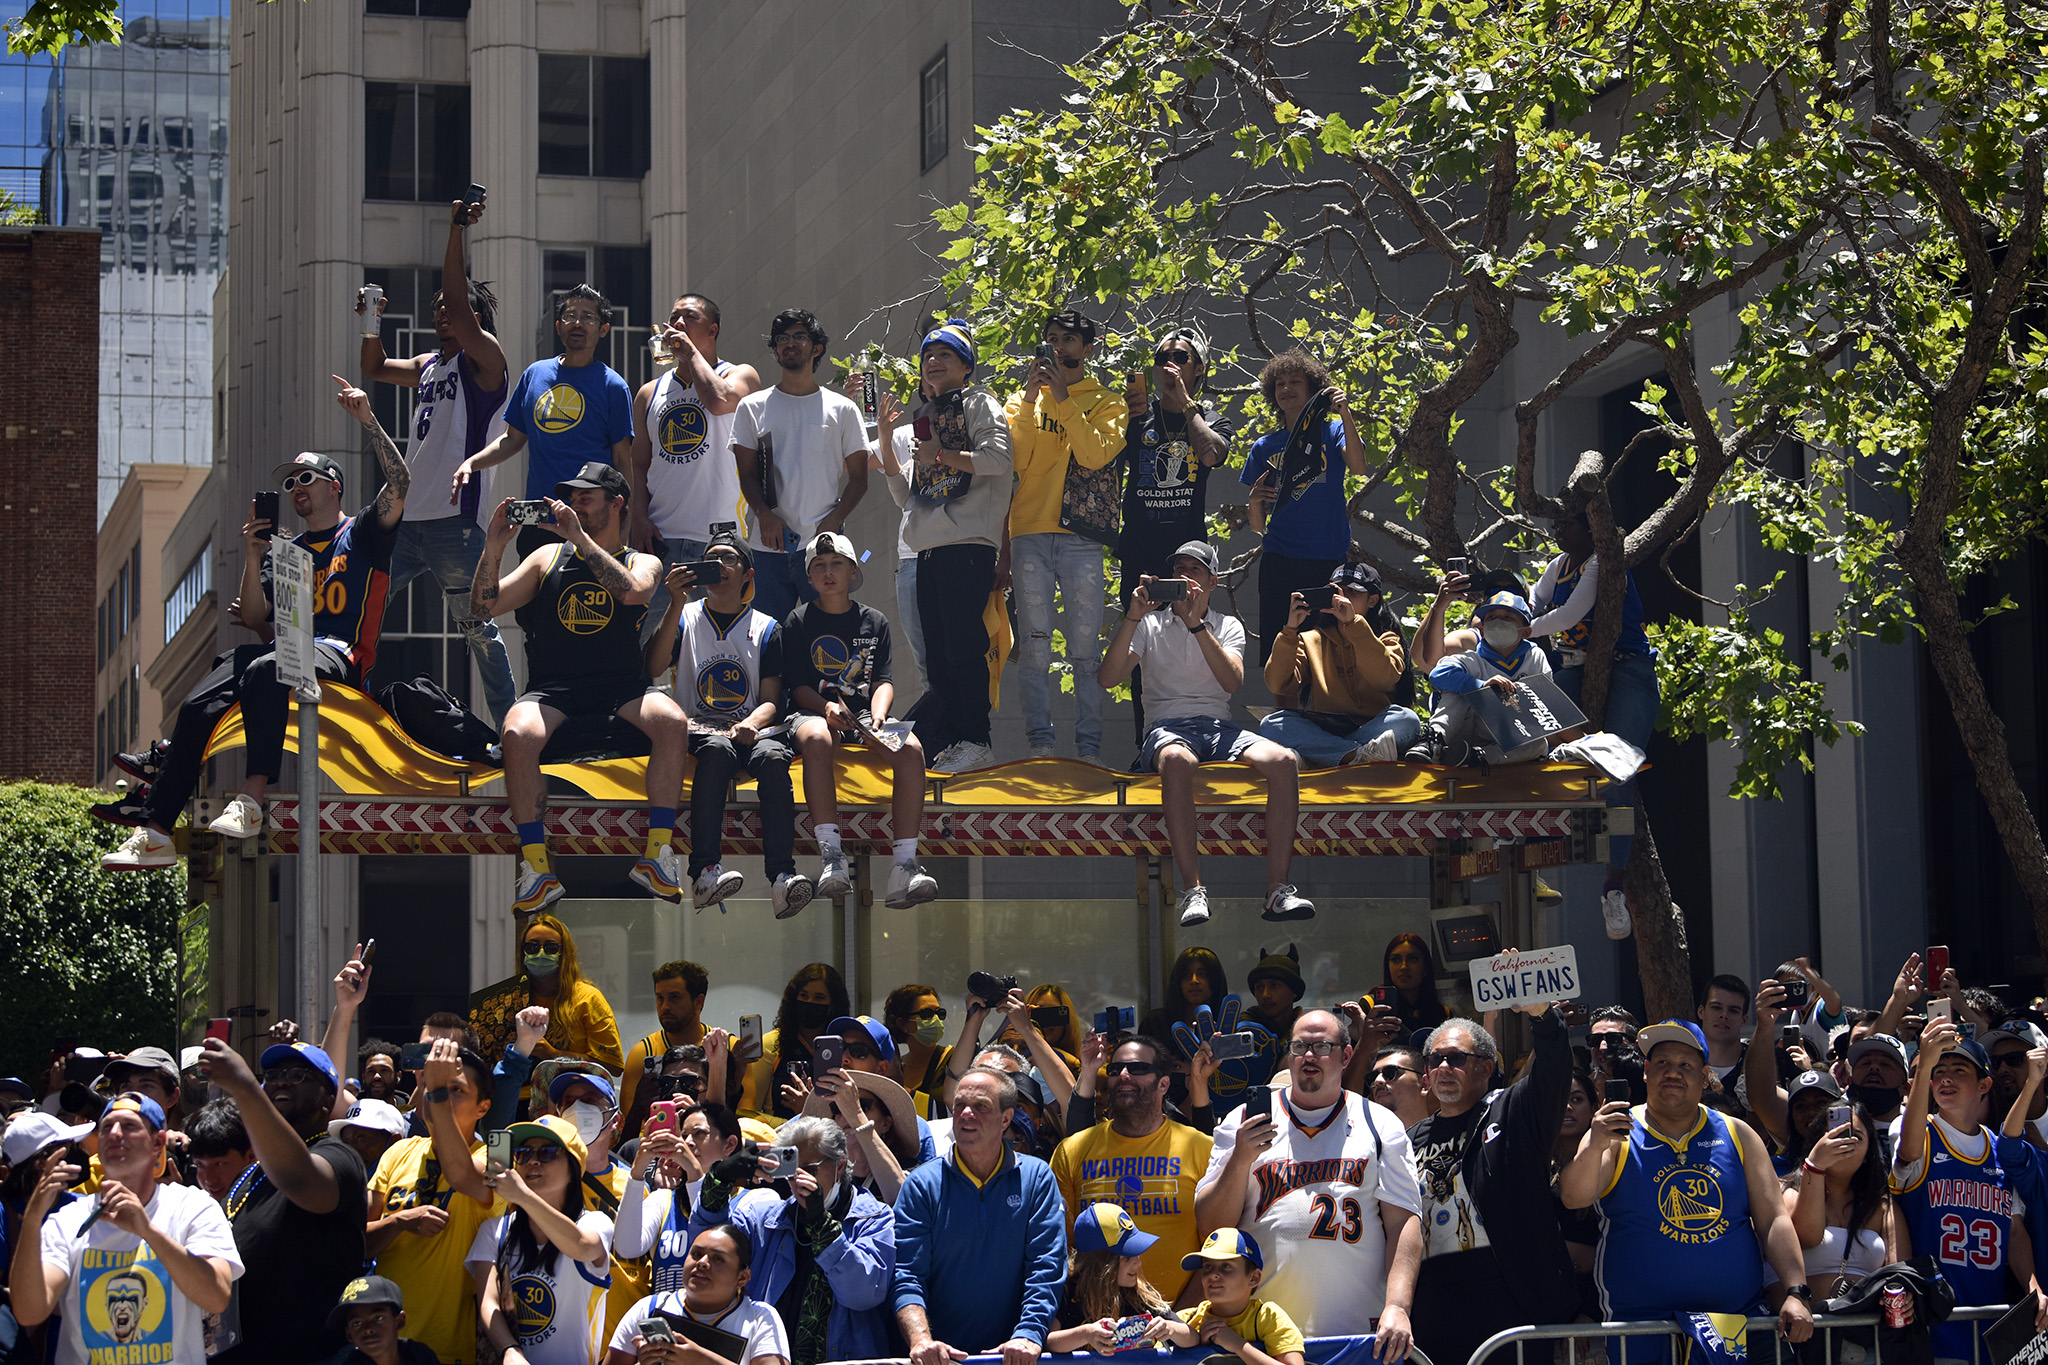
1023,1132
589,1121
931,1032
810,1014
1501,636
543,964
1878,1099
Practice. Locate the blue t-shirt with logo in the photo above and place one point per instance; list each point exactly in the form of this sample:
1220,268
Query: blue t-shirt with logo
570,415
1314,525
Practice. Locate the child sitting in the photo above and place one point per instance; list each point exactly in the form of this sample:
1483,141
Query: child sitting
1106,1283
1455,735
1257,1332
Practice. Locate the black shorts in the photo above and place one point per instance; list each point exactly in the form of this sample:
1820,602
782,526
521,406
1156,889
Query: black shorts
600,698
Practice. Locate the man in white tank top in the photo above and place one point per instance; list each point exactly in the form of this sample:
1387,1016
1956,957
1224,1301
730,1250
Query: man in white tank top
462,387
686,486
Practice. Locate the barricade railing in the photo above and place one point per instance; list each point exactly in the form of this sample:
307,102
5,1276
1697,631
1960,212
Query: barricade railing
1587,1342
1315,1351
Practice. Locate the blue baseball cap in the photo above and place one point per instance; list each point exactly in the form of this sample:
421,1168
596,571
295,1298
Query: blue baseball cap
878,1034
304,1054
1671,1031
1974,1050
601,1084
1109,1227
1506,601
135,1102
1226,1244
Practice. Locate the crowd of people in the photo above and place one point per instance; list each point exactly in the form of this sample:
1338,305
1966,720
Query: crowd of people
515,1186
679,565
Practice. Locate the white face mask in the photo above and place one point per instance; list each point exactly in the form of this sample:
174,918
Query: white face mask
1502,636
589,1120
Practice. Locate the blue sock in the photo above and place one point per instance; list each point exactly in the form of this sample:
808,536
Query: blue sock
661,824
531,832
533,844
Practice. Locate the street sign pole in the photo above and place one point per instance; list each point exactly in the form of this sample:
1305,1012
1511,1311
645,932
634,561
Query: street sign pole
292,596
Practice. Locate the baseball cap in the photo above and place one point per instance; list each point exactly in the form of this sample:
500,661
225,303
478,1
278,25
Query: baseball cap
1879,1042
1108,1227
304,1054
1192,335
1974,1051
362,1292
833,543
135,1102
1202,552
1506,601
190,1057
735,544
144,1059
884,1041
375,1115
2019,1030
1225,1244
556,1129
1671,1031
599,475
1812,1080
32,1130
564,1079
18,1086
1358,578
1072,320
323,465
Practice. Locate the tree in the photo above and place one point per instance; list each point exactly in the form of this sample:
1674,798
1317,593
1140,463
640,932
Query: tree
94,954
50,24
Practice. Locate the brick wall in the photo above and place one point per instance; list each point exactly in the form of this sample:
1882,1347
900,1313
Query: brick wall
49,453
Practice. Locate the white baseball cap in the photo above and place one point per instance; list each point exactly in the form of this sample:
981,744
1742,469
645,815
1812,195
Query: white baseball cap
372,1114
32,1130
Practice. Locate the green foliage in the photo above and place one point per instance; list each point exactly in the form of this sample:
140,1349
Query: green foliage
17,212
50,24
89,953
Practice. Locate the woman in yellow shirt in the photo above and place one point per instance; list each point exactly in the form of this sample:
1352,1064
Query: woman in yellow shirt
580,1020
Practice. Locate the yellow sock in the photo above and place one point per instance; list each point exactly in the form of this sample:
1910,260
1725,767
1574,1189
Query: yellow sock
536,856
661,822
657,840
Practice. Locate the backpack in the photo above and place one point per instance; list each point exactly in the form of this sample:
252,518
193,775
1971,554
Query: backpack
432,716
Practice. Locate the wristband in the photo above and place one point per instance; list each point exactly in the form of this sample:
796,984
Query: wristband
1198,627
1813,1169
862,1129
438,1095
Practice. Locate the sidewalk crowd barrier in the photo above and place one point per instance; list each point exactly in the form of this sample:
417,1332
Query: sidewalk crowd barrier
1587,1342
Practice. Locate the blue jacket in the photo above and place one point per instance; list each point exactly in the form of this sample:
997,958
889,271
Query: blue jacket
858,1265
986,1265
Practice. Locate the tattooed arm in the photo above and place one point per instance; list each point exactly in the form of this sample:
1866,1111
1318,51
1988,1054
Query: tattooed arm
631,579
390,505
489,595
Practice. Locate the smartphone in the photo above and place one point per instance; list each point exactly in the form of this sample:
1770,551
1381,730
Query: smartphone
661,1117
800,1068
708,571
1164,590
369,952
1455,565
529,512
921,427
1839,1114
413,1056
1943,1008
1796,993
63,1048
1319,599
1258,1102
1788,1034
1937,965
474,194
266,510
656,1331
1116,1019
498,1149
1378,995
1225,1047
222,1029
785,1162
748,1042
1044,356
1617,1092
828,1052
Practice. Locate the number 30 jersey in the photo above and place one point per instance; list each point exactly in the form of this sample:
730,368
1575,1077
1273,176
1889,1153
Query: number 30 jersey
1313,1204
1675,1233
1959,1207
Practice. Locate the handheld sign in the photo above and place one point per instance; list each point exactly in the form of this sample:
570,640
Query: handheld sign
1511,980
291,595
1537,710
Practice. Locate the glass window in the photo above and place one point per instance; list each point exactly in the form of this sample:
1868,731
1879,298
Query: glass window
594,115
135,577
932,108
388,140
424,9
564,100
416,141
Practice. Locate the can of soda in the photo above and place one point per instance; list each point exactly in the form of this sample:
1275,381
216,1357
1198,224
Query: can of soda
373,310
1898,1306
657,346
867,395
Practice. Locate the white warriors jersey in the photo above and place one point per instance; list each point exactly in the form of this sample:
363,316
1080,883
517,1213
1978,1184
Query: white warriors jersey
1313,1203
693,482
718,673
451,421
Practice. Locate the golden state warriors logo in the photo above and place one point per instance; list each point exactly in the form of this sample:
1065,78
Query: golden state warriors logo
722,685
1171,464
682,431
559,409
126,1309
533,1307
829,657
585,609
1690,1207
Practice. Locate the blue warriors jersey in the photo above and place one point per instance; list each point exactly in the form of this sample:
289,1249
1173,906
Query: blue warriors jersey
1960,1211
1674,1225
1632,640
351,580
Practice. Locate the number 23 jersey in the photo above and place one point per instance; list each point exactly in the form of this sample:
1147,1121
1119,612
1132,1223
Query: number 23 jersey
1313,1202
1958,1205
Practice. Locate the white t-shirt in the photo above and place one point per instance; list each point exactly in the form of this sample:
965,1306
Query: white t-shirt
814,435
1313,1202
903,439
120,1303
557,1314
1178,680
693,485
756,1322
452,421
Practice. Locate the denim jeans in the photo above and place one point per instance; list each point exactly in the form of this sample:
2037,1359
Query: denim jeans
1039,563
673,552
906,612
780,583
1633,704
448,549
1321,749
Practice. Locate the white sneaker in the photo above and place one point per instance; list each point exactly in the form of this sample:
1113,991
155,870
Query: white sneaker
834,878
142,850
1381,749
243,819
714,884
1042,751
1614,909
1283,902
963,757
1194,907
910,885
793,891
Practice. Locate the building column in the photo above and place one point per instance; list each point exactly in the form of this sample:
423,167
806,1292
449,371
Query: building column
493,954
504,121
668,178
324,182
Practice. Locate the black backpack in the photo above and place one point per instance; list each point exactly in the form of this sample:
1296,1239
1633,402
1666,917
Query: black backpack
435,719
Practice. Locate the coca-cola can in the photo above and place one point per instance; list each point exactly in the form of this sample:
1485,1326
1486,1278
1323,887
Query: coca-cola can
867,394
1898,1306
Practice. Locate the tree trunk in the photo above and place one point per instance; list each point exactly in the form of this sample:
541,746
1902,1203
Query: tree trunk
1663,960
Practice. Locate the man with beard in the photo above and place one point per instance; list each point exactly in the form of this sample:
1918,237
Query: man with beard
1140,1160
1877,1081
2008,1045
299,1212
1327,1181
377,1071
679,991
1494,1256
580,602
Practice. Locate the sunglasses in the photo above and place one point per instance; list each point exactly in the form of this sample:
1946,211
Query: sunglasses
302,480
860,1052
2009,1059
1449,1057
1311,1047
1391,1073
1174,357
935,1013
539,948
1604,1040
537,1156
1133,1068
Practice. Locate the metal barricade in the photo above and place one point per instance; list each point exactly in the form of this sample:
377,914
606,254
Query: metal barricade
1586,1342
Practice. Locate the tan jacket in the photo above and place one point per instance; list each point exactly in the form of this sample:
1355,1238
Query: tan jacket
1345,669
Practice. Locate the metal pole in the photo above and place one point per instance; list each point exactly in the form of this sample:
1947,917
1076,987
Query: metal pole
309,862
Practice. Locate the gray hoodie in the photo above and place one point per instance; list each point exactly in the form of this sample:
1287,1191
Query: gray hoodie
974,515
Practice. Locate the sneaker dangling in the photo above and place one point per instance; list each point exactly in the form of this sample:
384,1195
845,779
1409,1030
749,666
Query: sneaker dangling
243,819
144,849
910,885
1283,902
792,892
714,884
1614,910
1193,907
535,892
834,877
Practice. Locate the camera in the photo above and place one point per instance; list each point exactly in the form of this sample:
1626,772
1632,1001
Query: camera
990,988
533,512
